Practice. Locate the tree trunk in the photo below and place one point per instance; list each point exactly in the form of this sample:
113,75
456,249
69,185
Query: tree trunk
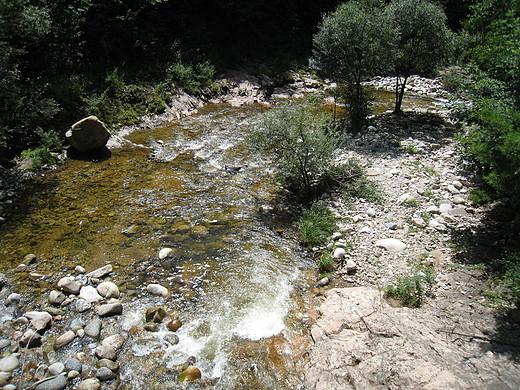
399,93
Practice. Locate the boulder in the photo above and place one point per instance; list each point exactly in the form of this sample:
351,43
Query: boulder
88,134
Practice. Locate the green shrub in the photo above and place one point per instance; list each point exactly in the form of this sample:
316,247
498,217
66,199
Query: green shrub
193,79
316,224
411,289
301,146
40,157
326,264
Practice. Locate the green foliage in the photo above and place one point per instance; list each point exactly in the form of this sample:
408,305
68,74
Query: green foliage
326,264
422,40
40,157
412,289
351,45
194,79
494,144
316,224
301,146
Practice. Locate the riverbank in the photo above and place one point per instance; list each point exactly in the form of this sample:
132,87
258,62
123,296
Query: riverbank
457,339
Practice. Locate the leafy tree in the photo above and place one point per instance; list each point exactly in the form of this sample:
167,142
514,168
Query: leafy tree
301,147
422,40
351,45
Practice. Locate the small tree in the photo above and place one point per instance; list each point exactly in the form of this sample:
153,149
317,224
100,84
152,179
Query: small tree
421,40
351,45
301,147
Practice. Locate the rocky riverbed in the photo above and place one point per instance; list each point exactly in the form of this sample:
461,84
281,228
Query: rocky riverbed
456,340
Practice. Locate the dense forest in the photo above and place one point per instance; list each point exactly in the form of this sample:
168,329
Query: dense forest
61,60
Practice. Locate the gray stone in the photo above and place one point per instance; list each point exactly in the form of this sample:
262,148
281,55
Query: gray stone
433,210
73,374
371,212
323,282
171,338
105,352
9,363
13,298
64,339
108,290
89,384
56,368
90,294
4,378
458,185
164,253
391,244
115,341
339,253
336,236
69,285
158,290
105,374
31,339
419,222
93,328
391,225
110,309
9,387
110,364
4,343
453,190
73,364
459,212
351,265
445,208
82,305
88,134
100,272
77,322
40,320
56,297
79,270
52,383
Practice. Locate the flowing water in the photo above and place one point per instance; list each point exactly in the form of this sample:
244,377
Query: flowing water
238,281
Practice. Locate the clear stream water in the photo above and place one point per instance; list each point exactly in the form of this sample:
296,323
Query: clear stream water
238,280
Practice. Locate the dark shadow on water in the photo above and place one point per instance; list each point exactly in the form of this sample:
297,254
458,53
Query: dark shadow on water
93,156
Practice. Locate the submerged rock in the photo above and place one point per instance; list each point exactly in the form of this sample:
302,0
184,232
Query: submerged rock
155,314
190,374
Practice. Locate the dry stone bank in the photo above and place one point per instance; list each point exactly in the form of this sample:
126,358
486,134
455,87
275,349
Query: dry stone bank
455,340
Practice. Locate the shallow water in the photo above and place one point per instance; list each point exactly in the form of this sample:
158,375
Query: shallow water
238,280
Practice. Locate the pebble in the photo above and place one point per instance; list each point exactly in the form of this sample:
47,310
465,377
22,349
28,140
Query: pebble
64,339
158,290
40,320
164,253
89,384
108,290
115,341
69,285
174,325
453,190
323,282
110,364
391,244
57,383
371,212
110,309
82,305
100,272
351,265
336,236
13,298
9,387
93,328
105,352
171,338
433,210
190,374
9,363
419,222
4,343
79,270
30,339
459,200
56,297
391,226
90,294
4,378
339,253
105,374
457,184
56,368
73,374
73,364
445,208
